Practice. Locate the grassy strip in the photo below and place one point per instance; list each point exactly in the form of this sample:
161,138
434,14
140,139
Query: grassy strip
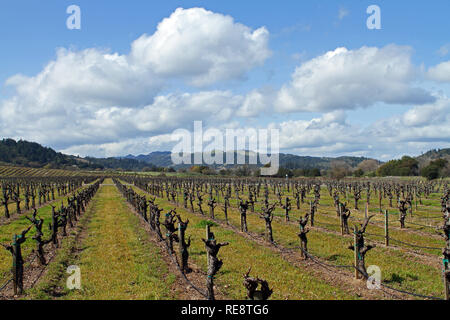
117,259
52,283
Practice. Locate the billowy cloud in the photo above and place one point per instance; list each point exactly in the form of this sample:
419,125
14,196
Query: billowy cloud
427,123
96,97
350,79
331,134
440,73
202,47
94,102
109,124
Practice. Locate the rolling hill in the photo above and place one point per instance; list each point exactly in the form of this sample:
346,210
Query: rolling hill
434,154
290,161
31,154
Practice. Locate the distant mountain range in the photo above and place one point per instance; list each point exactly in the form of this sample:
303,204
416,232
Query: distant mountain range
157,158
31,154
290,161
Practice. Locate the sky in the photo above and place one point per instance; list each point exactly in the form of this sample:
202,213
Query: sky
137,71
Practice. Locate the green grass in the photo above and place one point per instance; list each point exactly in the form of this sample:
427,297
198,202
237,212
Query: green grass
118,261
203,223
53,281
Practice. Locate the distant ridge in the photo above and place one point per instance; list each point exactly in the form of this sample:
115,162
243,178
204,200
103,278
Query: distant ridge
290,161
434,154
32,154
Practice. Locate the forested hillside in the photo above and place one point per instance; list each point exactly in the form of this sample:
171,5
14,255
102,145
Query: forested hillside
31,154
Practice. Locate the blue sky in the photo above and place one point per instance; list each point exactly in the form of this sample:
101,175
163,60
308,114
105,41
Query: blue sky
298,32
312,27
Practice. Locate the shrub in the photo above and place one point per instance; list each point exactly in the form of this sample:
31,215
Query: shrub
434,169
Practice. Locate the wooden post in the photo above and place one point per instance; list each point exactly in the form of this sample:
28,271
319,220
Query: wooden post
380,198
366,210
410,209
386,227
180,234
208,234
356,251
340,217
415,198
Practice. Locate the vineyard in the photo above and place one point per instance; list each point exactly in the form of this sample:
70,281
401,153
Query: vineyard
178,238
11,171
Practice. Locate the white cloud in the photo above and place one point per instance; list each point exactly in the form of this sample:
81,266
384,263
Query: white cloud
174,111
94,102
417,130
88,78
134,146
202,46
343,13
440,73
348,79
327,134
427,123
92,96
444,50
102,125
256,103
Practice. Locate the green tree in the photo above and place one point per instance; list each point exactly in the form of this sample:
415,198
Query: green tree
358,173
406,166
434,169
